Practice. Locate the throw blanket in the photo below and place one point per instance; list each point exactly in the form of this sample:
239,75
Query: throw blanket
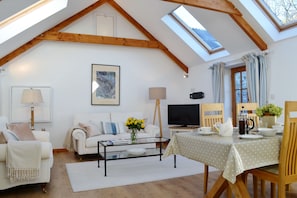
23,160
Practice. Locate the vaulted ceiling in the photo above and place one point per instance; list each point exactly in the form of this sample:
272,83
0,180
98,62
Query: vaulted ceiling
228,21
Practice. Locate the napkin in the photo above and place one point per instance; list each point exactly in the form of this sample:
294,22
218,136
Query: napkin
226,129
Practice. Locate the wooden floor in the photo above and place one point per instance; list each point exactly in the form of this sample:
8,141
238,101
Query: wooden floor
59,187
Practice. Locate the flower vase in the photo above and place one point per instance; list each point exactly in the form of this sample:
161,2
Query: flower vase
269,121
133,135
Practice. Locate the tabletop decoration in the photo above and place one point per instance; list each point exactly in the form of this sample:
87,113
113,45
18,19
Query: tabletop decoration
268,114
134,125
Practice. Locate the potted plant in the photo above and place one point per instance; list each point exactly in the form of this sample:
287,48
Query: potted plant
268,114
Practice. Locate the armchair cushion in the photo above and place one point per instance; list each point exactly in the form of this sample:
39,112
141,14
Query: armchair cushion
10,136
22,131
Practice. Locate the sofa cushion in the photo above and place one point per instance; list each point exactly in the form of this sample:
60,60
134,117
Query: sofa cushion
22,130
122,127
94,117
91,128
2,138
110,128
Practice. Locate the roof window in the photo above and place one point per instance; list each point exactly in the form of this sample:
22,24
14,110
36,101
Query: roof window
282,13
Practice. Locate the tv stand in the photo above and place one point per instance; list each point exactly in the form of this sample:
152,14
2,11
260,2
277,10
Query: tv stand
177,129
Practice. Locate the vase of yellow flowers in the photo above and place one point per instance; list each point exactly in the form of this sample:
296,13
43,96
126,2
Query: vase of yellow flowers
268,114
134,125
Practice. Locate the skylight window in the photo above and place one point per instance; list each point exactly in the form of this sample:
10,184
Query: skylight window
283,13
195,28
28,17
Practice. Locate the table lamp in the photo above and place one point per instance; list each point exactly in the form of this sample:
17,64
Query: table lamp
32,97
157,93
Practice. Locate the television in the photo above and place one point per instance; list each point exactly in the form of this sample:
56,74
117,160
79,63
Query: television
183,114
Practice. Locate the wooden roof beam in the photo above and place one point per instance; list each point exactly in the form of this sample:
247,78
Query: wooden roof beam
215,5
149,35
94,39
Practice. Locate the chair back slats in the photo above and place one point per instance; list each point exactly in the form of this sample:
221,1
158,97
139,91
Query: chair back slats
211,120
251,110
211,113
288,153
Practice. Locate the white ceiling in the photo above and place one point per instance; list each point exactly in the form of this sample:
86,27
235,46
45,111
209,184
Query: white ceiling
149,14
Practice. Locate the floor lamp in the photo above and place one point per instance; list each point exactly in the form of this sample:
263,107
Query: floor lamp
157,93
32,97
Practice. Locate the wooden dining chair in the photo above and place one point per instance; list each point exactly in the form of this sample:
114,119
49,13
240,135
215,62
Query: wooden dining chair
285,172
210,113
251,111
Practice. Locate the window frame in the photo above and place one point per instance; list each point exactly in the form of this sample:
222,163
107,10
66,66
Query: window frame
273,17
240,68
197,38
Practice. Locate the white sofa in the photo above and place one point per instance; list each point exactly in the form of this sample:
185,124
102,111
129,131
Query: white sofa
45,165
82,144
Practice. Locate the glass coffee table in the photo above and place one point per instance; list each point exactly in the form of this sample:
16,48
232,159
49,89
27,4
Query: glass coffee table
105,154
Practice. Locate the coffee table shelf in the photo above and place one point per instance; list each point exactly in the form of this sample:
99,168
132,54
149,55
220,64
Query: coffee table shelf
124,154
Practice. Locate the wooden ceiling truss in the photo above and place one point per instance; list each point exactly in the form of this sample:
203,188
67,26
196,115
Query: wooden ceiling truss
54,33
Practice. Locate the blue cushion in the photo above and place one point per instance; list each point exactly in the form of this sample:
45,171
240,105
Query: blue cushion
110,128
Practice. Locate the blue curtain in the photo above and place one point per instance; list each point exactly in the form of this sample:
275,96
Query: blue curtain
256,72
218,82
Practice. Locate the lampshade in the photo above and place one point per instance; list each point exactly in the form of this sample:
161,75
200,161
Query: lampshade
32,96
157,93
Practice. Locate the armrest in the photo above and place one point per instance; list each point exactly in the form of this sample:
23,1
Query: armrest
79,134
79,140
42,136
153,130
46,151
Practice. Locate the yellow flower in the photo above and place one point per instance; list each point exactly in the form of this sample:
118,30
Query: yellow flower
133,123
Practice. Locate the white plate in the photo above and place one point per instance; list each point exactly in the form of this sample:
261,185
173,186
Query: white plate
250,136
206,132
136,151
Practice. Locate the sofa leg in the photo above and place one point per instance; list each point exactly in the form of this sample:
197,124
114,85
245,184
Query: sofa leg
43,188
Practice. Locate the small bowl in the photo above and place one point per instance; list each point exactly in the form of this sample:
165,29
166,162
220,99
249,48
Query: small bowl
136,151
267,132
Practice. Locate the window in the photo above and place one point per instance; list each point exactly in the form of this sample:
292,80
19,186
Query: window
283,13
239,88
28,17
192,25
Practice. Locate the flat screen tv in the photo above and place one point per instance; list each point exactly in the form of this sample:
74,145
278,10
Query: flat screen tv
183,114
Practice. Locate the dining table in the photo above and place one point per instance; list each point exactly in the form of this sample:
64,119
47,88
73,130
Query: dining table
233,155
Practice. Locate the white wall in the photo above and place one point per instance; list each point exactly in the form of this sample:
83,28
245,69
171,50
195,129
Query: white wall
282,58
66,67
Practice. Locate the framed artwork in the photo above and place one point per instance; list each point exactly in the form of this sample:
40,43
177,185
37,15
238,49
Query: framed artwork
22,112
105,84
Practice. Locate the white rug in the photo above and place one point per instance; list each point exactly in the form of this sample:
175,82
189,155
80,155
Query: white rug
87,176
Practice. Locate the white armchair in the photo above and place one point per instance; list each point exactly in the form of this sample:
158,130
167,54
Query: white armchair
46,162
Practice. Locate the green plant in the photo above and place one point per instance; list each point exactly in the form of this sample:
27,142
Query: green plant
269,109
